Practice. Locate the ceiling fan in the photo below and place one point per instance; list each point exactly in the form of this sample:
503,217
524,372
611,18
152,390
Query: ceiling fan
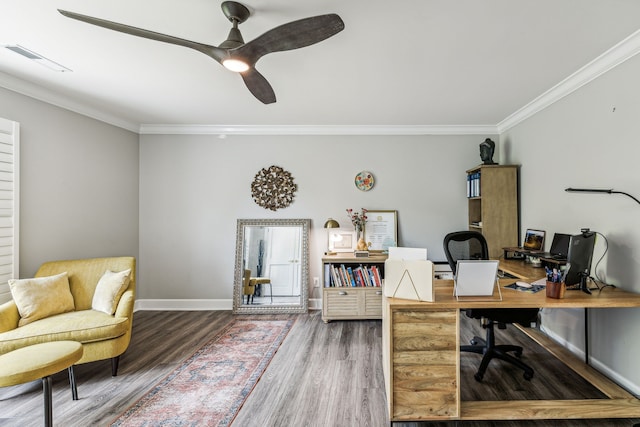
234,53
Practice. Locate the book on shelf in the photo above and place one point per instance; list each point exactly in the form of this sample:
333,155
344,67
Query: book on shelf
350,278
356,276
365,275
345,275
376,273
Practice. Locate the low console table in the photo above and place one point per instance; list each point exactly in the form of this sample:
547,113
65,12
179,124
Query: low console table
342,301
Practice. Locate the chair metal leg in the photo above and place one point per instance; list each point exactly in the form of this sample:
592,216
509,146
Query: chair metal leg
115,361
478,349
48,401
72,383
497,354
510,348
491,350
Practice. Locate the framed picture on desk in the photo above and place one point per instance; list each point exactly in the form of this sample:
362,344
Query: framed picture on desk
342,241
381,229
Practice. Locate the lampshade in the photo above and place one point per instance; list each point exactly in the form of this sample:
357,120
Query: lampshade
331,223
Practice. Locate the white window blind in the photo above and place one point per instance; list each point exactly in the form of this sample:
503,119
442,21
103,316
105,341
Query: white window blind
9,204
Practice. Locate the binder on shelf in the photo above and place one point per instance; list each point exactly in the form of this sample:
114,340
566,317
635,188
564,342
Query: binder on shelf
473,184
409,279
327,275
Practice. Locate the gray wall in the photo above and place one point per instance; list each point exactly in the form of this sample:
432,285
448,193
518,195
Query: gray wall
78,184
82,181
194,188
589,139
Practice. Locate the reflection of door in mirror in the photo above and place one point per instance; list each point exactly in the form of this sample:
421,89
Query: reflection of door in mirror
275,251
282,260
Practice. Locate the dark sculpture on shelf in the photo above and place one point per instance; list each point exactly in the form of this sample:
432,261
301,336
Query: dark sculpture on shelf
487,147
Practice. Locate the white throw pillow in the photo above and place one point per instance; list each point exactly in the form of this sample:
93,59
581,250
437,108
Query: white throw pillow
110,288
41,297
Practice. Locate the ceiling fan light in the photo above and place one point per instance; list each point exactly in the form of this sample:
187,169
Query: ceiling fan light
235,65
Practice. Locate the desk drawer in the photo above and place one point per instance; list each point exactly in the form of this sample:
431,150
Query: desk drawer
373,303
424,362
351,303
340,302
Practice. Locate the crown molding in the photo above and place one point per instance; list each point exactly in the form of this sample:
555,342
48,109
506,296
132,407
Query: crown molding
43,94
318,130
610,59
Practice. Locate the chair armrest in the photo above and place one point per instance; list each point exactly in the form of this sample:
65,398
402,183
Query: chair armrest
9,316
125,305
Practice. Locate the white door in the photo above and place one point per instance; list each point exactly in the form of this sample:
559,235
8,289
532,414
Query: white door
282,261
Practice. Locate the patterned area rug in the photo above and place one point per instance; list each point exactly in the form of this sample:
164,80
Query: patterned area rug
209,388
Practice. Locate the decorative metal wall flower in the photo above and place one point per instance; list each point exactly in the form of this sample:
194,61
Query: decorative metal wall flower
273,188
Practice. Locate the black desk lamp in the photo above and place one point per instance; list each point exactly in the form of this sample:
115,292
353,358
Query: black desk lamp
597,190
607,191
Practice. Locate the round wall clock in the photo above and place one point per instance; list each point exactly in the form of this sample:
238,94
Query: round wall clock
364,181
273,188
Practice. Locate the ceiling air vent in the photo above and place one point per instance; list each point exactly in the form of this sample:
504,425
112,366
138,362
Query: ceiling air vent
21,50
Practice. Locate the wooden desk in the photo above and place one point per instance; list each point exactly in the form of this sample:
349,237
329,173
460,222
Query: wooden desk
421,358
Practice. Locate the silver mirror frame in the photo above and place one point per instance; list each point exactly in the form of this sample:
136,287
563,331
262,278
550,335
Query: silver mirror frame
238,307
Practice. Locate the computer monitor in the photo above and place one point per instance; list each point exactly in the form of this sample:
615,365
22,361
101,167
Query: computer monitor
560,245
579,259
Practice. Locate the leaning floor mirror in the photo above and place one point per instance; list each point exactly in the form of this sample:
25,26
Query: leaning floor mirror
271,266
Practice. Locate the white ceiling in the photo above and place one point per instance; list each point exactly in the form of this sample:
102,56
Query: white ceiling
397,63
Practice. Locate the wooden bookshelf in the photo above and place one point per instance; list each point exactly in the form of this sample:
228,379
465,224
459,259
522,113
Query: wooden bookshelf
344,301
492,192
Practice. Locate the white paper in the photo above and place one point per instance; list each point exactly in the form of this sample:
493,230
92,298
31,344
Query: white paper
408,279
407,253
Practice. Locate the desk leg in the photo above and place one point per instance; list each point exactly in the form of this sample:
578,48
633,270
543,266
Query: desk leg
586,335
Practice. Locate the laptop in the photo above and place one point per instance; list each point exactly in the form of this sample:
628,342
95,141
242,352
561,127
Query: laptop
559,247
476,278
533,240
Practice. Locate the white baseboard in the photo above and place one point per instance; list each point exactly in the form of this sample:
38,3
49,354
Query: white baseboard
595,363
315,303
182,304
197,304
578,352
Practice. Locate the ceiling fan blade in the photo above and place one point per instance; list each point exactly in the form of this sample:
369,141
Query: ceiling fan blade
292,35
214,52
259,86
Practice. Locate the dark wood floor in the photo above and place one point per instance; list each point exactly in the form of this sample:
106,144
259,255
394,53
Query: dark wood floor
323,375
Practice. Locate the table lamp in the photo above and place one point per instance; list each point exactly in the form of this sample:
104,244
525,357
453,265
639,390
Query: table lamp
331,223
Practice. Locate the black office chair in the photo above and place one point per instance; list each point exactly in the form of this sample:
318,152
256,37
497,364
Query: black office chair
472,245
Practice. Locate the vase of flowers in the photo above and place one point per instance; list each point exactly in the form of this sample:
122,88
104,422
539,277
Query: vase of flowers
358,219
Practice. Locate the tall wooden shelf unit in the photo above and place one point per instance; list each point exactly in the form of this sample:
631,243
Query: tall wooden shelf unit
493,205
349,302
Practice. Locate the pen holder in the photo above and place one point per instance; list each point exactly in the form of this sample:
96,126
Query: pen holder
555,289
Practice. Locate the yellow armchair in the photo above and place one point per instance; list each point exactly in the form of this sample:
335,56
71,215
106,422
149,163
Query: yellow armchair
103,336
248,288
